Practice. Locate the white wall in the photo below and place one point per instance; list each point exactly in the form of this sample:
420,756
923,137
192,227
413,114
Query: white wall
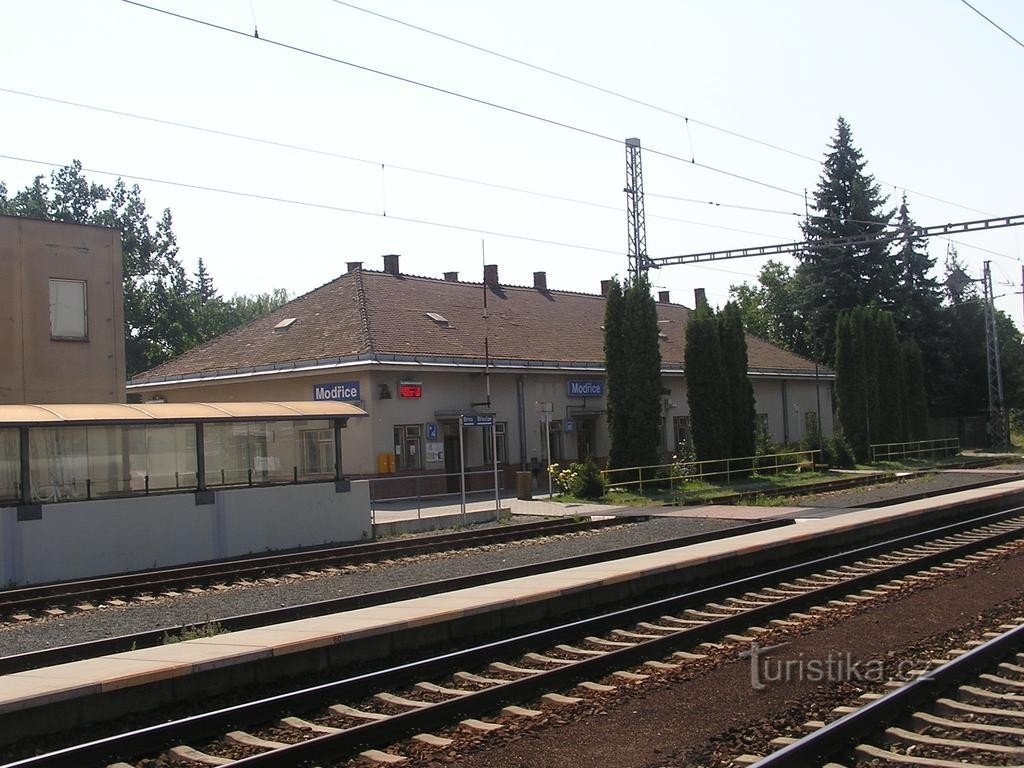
75,540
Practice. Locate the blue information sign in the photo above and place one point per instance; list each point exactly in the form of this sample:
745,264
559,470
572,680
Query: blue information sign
477,420
346,391
432,432
586,388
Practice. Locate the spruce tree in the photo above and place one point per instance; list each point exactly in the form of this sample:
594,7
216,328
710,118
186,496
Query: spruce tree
847,203
705,371
737,382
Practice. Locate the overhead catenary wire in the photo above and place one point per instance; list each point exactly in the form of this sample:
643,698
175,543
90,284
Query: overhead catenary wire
640,102
994,24
455,94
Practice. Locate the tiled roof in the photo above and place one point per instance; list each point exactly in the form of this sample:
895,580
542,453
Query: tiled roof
366,313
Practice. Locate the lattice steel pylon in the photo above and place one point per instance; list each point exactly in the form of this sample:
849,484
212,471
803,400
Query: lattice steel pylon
636,224
996,411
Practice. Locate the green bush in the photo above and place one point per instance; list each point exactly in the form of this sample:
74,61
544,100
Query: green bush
838,452
591,482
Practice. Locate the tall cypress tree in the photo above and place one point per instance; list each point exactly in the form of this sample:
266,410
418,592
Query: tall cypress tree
888,418
851,383
737,384
616,374
915,400
643,364
847,203
705,371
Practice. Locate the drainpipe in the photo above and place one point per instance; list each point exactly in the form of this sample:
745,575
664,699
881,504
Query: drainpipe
521,410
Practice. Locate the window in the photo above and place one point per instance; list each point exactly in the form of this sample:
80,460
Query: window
501,434
408,446
68,316
317,452
555,441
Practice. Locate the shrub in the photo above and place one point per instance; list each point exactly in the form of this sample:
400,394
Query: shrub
583,480
838,452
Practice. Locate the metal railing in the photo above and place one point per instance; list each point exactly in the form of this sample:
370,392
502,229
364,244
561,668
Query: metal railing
684,472
428,482
915,449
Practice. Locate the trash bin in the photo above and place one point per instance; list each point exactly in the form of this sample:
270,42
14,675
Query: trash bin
524,485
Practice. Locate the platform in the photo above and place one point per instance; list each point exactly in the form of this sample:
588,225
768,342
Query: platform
110,686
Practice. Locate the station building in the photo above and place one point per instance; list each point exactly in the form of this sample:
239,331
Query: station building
61,310
410,351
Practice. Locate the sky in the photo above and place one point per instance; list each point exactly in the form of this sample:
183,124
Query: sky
927,86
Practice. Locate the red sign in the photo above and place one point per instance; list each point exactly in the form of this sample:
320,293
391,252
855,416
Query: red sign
410,389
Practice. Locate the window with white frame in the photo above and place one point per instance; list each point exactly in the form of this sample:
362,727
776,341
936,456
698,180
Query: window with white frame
408,446
501,437
68,310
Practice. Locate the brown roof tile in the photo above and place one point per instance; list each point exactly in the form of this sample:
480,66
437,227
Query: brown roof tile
365,312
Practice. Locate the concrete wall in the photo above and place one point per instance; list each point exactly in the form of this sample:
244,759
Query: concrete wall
35,367
76,540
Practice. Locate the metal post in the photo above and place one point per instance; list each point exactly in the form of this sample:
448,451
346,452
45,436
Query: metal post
462,469
547,451
418,497
200,458
26,477
494,455
337,424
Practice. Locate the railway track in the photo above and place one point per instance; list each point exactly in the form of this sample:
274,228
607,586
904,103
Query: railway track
962,712
18,603
357,715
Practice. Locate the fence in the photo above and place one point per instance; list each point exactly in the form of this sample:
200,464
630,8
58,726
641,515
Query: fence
683,472
948,446
427,487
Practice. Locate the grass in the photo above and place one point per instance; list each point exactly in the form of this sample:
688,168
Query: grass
207,629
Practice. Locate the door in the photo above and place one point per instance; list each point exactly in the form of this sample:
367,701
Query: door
585,434
452,456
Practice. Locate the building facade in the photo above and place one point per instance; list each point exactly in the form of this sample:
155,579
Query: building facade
411,352
61,311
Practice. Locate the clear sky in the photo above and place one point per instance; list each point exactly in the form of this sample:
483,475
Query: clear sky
931,90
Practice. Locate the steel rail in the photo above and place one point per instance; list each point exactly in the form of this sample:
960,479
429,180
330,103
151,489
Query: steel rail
25,598
846,731
91,648
212,724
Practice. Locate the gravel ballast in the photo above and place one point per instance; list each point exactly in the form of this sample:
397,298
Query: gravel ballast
210,605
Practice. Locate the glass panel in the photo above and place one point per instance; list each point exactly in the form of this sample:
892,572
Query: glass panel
165,454
67,309
10,464
58,463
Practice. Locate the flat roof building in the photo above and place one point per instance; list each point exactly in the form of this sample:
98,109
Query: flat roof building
410,351
61,313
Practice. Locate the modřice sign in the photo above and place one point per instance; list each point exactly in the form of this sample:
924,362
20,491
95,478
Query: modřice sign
346,391
586,388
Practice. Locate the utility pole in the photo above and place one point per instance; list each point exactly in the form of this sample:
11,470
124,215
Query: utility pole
636,224
996,412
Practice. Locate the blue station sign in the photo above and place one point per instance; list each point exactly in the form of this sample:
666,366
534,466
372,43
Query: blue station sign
345,391
586,388
477,420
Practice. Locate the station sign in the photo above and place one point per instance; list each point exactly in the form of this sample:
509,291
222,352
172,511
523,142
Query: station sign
477,420
586,387
345,391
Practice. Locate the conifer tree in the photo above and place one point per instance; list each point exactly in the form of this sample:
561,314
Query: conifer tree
915,401
888,418
705,371
616,377
851,382
847,203
737,382
643,364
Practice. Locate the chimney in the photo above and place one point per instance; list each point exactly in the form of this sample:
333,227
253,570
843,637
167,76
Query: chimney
491,275
451,277
663,297
391,263
606,285
540,281
353,265
699,298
